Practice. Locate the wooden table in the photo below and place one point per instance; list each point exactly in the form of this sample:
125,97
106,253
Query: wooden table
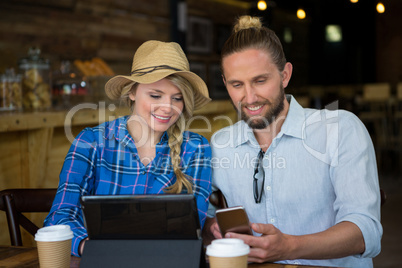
27,257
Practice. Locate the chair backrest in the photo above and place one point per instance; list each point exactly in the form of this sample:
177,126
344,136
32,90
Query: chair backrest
218,199
383,197
17,201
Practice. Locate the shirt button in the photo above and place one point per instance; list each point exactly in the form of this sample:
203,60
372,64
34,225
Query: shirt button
143,172
272,220
268,188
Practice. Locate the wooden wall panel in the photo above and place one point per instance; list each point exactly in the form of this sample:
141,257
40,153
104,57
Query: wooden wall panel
10,161
80,29
220,12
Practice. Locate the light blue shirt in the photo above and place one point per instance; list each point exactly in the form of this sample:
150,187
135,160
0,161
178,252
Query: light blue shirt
320,170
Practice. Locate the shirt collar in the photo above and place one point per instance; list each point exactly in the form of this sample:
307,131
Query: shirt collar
164,138
292,126
295,118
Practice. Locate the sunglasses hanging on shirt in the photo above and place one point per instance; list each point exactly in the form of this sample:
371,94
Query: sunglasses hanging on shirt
257,193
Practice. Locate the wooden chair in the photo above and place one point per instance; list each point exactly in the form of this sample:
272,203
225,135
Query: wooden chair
218,199
17,201
383,197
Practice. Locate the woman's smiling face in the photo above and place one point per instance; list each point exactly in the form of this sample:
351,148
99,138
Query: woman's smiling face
157,106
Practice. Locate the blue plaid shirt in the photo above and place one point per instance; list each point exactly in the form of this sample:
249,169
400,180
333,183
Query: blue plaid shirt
104,161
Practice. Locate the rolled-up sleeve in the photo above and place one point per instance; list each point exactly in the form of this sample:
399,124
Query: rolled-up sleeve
355,180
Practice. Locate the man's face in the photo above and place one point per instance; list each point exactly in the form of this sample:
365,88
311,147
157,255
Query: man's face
256,86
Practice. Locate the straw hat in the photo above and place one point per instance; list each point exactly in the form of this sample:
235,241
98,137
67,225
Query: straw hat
153,61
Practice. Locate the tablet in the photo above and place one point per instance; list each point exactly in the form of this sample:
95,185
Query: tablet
165,216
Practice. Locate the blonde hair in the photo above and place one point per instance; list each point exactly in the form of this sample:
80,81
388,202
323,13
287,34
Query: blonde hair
248,32
245,22
175,132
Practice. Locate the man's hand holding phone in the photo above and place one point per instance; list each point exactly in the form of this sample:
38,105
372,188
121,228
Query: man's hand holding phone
232,219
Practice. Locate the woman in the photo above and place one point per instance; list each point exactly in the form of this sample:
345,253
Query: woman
146,152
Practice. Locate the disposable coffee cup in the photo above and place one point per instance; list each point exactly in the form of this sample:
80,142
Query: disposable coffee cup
228,253
54,246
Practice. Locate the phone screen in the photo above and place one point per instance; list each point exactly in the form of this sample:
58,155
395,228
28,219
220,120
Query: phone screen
234,220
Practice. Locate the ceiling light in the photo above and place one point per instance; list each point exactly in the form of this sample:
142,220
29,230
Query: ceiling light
262,5
333,33
301,14
380,8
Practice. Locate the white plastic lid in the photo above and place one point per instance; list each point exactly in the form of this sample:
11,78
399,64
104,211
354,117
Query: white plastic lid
227,247
54,233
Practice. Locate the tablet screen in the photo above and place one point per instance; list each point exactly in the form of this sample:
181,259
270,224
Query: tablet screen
165,216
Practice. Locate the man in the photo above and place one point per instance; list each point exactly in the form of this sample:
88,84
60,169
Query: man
307,178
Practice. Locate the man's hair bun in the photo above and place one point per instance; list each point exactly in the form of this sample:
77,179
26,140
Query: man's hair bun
246,22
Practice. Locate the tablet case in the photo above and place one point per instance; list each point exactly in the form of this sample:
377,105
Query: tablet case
142,231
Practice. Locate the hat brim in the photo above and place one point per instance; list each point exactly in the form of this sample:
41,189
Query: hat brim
117,86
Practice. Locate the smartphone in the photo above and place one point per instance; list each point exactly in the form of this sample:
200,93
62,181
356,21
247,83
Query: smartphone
233,219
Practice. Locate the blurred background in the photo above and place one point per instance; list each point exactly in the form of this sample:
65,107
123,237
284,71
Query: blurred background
55,55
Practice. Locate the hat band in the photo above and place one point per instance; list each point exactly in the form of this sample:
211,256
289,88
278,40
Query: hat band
146,70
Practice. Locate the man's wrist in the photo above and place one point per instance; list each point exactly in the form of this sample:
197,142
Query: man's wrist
294,246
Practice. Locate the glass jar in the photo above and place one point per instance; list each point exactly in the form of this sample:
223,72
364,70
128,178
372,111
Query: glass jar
10,91
36,81
69,88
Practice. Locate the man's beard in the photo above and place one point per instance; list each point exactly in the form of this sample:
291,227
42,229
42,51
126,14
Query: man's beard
262,121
